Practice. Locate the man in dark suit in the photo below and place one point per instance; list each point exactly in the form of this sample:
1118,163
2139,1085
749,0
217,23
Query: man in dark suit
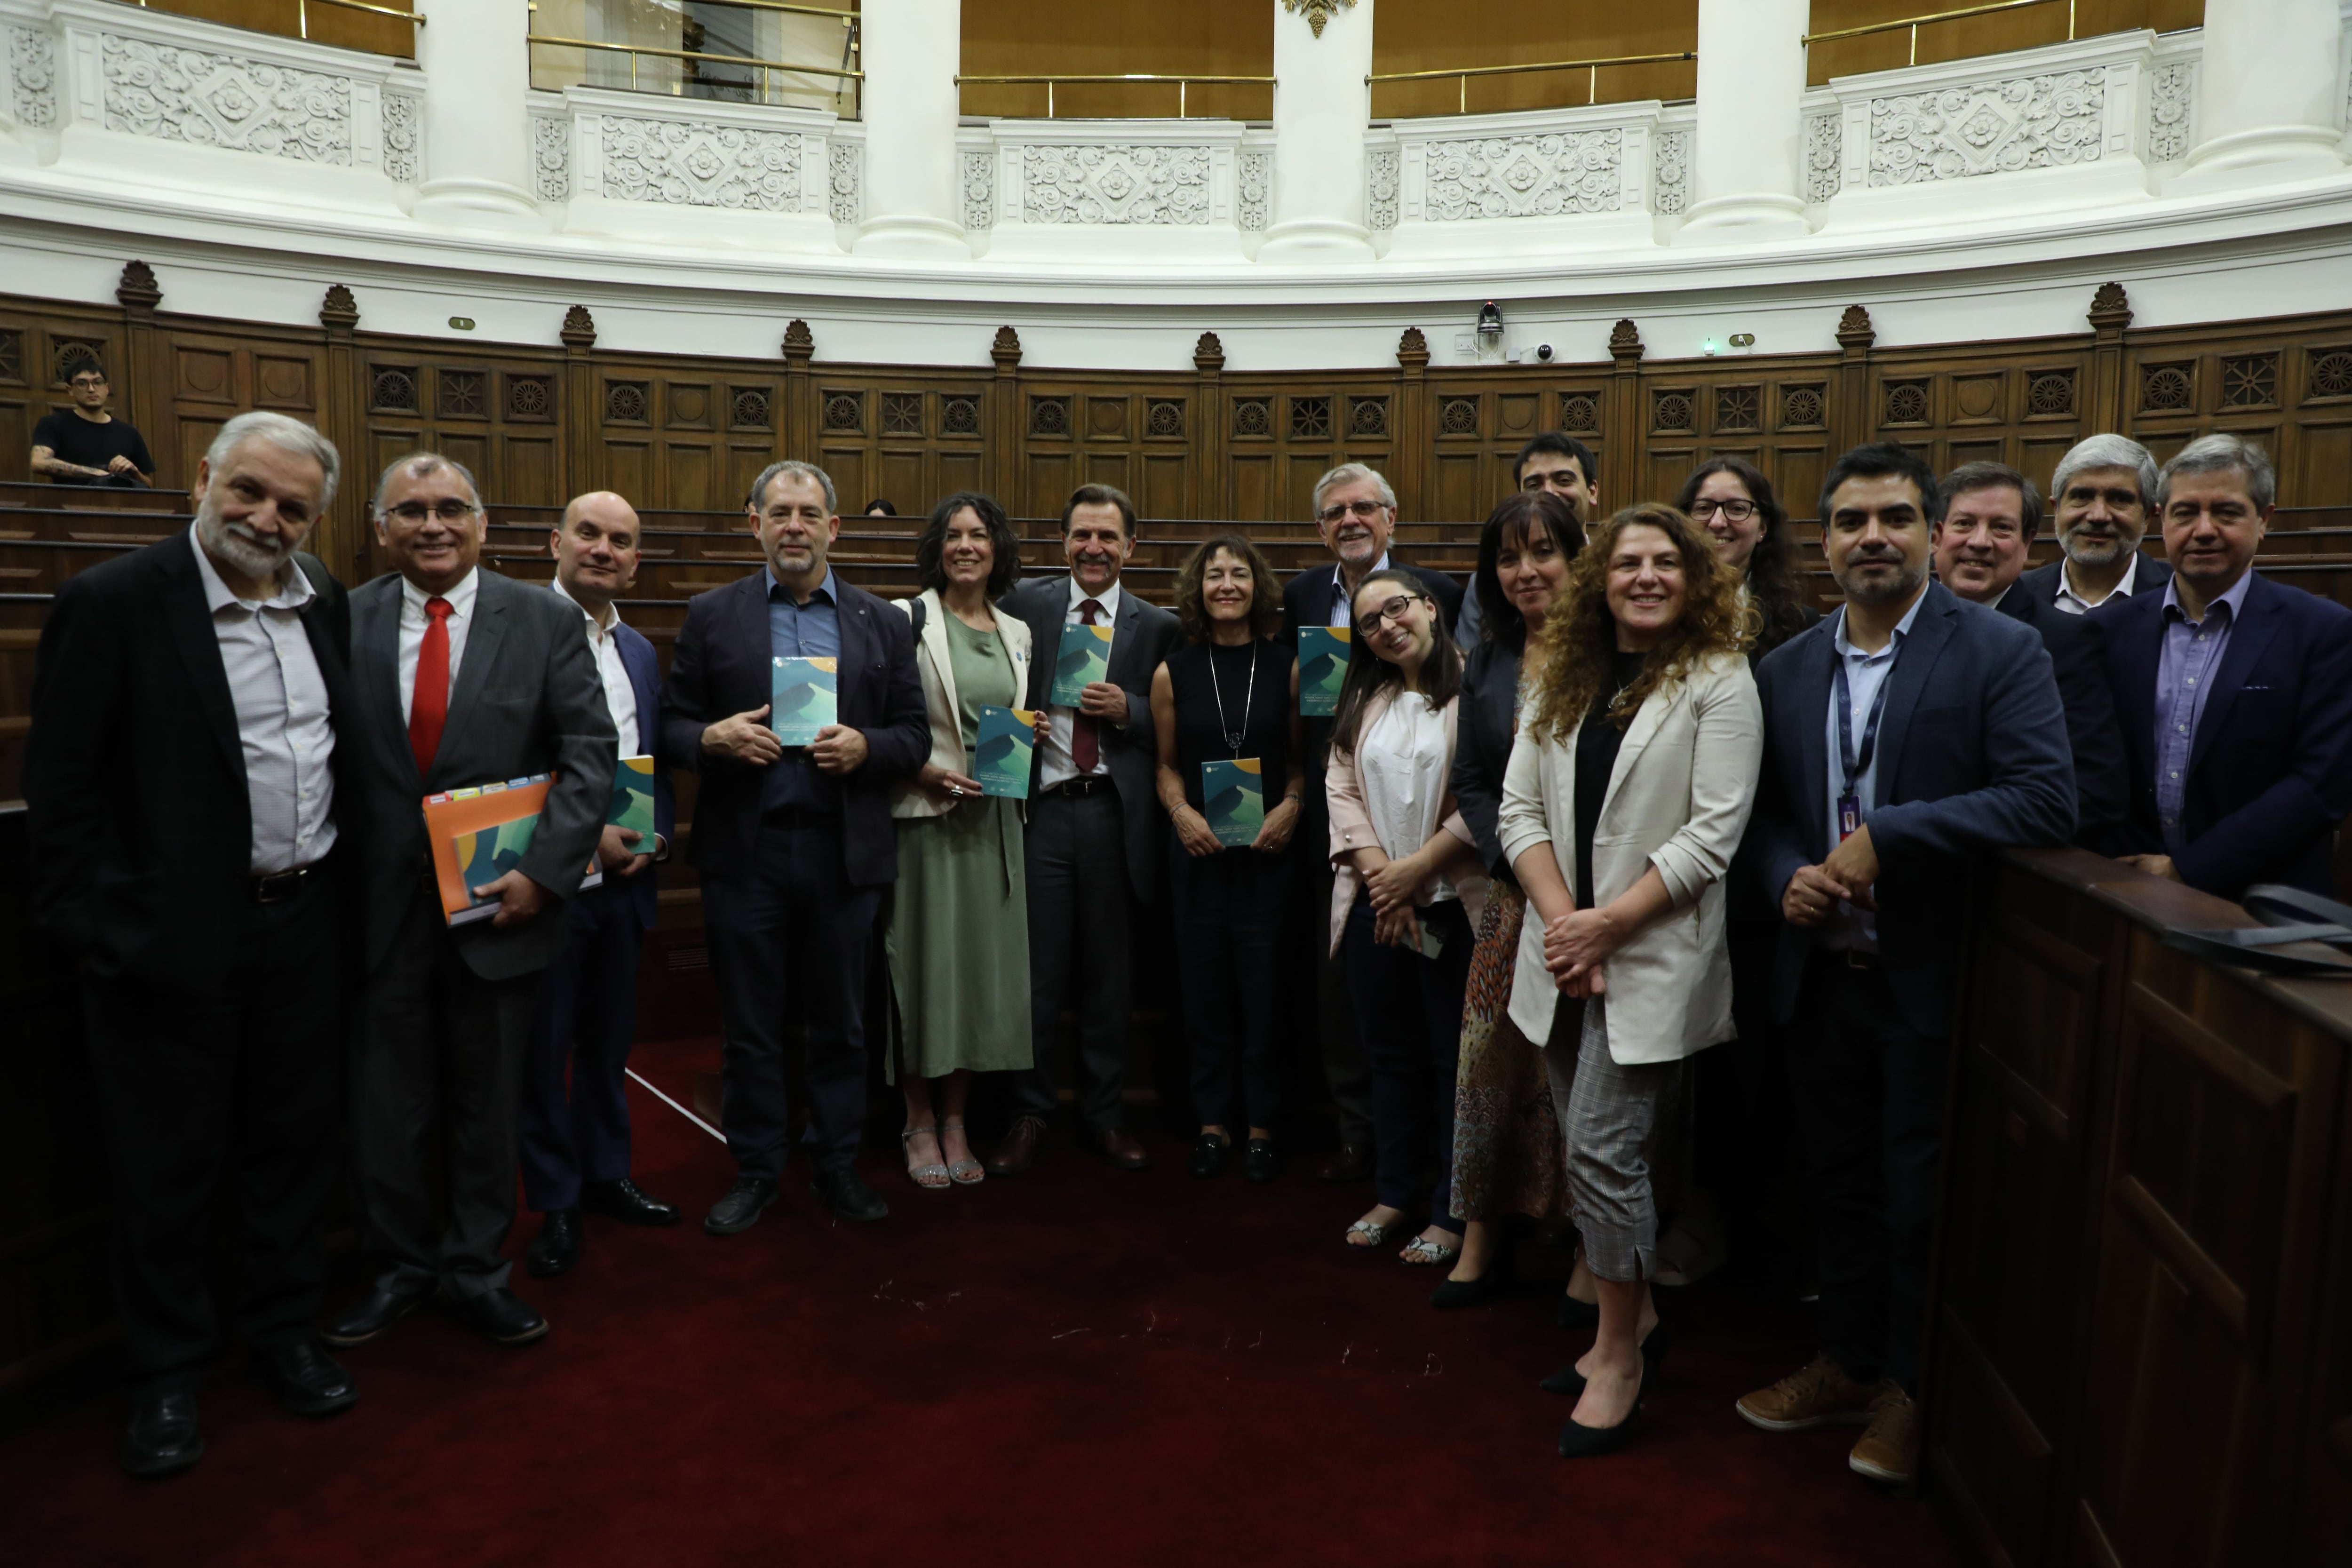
575,1104
182,776
2102,496
1094,842
794,843
1355,510
1905,736
2235,693
1992,513
459,677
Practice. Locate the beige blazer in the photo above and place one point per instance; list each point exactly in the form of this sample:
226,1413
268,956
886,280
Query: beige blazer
1351,827
1678,799
940,703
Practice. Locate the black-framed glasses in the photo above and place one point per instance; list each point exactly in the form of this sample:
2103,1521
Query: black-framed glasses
95,382
1392,610
1736,511
1362,510
415,512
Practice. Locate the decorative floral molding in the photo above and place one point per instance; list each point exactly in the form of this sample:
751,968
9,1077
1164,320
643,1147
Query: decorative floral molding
1824,155
226,100
979,190
1254,187
1319,12
1670,170
696,163
403,114
1987,128
551,157
33,65
1123,184
1380,190
848,181
2171,91
1526,176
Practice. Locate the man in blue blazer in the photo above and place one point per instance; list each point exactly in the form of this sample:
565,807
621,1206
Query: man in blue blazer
1907,735
575,1102
794,843
2235,693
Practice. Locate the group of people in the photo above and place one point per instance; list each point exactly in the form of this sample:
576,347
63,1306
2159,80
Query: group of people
1599,861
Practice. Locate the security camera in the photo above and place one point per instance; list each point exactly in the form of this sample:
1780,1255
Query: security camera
1545,352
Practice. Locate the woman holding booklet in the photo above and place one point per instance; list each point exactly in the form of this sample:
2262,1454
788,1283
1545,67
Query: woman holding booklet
959,936
1224,710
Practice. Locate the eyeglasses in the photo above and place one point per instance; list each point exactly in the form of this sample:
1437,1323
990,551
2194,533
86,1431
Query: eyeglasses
1392,610
416,511
1736,511
89,382
1363,511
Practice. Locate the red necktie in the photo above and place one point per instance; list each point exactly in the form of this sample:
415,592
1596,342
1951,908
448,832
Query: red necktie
428,702
1086,747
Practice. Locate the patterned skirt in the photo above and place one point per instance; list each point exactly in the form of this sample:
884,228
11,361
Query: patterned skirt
1506,1149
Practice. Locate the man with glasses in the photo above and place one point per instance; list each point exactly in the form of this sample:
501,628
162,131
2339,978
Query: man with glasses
2100,499
460,677
1355,511
85,445
1561,464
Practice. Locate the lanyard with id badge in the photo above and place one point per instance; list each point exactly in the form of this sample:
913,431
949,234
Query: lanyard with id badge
1853,763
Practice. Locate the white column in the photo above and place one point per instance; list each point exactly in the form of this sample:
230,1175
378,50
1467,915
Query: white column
911,50
2269,95
1321,110
1750,138
476,136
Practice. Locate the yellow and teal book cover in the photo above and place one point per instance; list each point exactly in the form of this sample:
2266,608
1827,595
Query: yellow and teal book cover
1322,669
1000,762
489,853
632,799
1084,659
1235,797
801,701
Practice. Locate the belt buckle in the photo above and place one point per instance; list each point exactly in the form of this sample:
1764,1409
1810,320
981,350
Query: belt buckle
278,886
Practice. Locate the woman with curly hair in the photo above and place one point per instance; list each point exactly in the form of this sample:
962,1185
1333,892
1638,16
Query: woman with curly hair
1627,791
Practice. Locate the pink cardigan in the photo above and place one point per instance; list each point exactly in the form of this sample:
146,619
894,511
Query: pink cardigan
1351,826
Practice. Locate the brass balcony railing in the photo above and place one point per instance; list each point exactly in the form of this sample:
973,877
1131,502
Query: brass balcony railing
303,13
1183,84
1591,67
1913,24
842,75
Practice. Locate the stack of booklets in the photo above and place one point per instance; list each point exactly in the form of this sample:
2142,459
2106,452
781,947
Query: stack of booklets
480,834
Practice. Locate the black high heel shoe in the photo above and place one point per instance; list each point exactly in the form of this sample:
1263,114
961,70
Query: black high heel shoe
1569,1380
1488,1286
1578,1441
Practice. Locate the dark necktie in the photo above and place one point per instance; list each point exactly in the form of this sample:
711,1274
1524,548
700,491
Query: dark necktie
1086,746
428,701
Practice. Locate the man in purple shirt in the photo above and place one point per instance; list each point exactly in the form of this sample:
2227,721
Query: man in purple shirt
2235,693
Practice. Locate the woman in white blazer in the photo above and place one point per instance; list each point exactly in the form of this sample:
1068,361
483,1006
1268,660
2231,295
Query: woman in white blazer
959,936
1627,791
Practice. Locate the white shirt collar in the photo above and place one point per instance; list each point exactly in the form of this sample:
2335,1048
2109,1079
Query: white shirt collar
1107,598
611,611
2066,585
1994,603
1902,630
460,596
294,589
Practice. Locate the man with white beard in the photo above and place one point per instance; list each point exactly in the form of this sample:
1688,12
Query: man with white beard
180,780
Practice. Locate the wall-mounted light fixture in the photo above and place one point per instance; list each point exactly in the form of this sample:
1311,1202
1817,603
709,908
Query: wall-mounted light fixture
462,324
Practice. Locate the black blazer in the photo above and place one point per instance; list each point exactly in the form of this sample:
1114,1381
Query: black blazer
2040,584
134,774
2078,655
722,666
1143,638
1487,726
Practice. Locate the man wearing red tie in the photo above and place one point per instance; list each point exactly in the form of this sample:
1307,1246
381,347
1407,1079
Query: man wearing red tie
460,677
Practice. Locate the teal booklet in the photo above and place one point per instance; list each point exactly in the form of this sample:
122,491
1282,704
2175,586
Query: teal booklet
486,855
1000,762
801,699
1085,659
1322,669
632,800
1235,797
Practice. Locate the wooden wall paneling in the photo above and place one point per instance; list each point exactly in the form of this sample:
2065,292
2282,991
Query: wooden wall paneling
1004,423
797,423
2324,1491
342,537
580,412
1624,419
1207,422
135,393
1408,424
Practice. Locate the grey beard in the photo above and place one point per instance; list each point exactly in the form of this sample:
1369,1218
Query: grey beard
240,549
1903,588
2086,552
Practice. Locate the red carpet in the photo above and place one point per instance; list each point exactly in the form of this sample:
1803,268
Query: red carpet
1078,1366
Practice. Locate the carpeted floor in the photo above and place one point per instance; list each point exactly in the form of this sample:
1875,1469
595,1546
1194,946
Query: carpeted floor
1079,1366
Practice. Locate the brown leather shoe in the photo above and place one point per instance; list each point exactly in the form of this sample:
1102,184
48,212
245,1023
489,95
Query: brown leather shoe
1121,1147
1019,1149
1819,1393
1353,1162
1889,1449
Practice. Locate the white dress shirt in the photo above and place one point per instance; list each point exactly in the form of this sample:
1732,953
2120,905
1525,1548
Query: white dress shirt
2074,604
413,622
1056,766
1401,763
1343,603
620,693
283,722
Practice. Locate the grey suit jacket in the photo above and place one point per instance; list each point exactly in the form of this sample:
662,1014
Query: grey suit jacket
526,699
1144,637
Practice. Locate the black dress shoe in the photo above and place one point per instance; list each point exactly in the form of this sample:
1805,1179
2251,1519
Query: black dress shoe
1209,1154
846,1197
1581,1442
628,1202
557,1246
739,1209
306,1380
1348,1163
384,1305
1569,1380
1259,1162
503,1318
160,1438
1489,1286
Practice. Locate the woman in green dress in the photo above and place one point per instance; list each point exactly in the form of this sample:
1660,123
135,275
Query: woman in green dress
958,937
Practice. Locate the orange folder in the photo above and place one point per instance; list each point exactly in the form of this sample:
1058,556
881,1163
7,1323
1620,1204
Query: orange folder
467,814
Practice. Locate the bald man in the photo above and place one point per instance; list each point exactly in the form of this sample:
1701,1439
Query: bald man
575,1108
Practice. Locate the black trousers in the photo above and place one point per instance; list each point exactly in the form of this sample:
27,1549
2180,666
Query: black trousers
790,939
1230,910
1870,1111
1080,916
1409,1009
575,1102
1739,1091
1347,1074
243,1081
436,1068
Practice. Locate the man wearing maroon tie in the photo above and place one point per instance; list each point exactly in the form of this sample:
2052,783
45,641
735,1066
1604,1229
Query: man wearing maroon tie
460,677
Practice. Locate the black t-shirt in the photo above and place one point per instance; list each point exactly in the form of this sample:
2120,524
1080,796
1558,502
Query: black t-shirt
1597,742
1258,707
93,446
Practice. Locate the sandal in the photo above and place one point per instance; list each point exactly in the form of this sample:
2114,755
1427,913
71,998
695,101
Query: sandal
1423,1253
1373,1234
966,1172
932,1177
